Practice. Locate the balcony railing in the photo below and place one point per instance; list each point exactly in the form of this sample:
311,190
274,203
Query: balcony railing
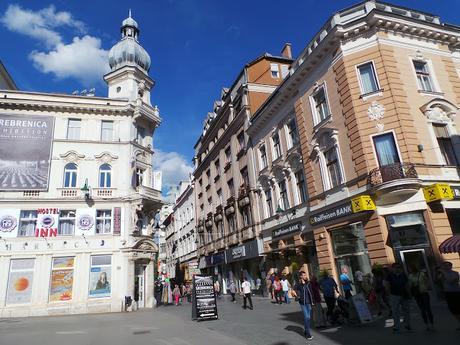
391,172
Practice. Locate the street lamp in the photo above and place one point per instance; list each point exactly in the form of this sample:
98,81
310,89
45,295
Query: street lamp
86,190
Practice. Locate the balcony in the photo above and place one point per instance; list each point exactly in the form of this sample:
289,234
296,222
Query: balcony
103,192
69,192
394,183
148,193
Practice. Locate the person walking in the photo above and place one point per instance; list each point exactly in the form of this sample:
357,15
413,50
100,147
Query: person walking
359,276
346,283
157,292
450,280
398,284
317,308
380,291
246,290
285,286
232,289
176,294
217,288
419,287
277,290
302,290
330,289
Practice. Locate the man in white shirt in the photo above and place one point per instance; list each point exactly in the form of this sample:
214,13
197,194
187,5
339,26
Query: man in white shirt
246,287
285,286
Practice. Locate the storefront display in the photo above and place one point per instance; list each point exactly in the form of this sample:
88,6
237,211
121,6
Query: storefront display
61,284
20,281
100,277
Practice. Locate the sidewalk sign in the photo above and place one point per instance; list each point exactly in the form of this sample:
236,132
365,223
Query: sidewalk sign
204,298
362,309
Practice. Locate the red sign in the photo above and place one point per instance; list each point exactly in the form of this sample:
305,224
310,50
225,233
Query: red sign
117,220
47,222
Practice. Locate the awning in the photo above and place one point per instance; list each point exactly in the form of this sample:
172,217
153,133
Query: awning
451,245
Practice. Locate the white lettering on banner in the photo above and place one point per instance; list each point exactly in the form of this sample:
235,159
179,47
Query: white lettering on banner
47,222
331,214
286,230
23,123
238,252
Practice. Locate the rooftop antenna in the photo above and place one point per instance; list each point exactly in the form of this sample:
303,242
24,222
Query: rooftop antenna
129,13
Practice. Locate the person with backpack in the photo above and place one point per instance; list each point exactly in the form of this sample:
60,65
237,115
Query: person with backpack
398,285
303,293
419,288
277,290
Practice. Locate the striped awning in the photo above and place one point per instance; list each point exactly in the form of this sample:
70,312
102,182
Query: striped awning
451,245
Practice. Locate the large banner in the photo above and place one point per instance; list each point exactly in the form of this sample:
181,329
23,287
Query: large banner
204,297
25,151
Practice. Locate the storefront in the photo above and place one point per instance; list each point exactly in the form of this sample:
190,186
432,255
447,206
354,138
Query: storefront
214,265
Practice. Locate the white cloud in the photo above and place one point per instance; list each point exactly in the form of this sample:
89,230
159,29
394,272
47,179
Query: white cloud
83,59
41,24
174,167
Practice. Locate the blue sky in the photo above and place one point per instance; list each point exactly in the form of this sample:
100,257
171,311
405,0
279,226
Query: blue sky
196,47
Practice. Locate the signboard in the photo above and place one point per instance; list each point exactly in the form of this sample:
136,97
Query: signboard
438,191
287,230
20,281
85,222
25,152
245,251
456,191
331,214
117,220
47,222
9,223
204,297
362,309
362,203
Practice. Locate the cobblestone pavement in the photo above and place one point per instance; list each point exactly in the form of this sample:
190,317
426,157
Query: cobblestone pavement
267,324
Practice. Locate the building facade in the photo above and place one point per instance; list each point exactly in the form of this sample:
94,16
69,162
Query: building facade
77,207
375,94
224,200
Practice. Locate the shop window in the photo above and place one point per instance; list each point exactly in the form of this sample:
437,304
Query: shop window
407,230
20,281
100,276
103,221
66,222
61,282
454,219
445,144
27,223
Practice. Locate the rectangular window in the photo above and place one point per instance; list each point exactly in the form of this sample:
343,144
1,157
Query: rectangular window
284,71
73,129
293,135
100,276
368,78
219,196
231,224
284,201
27,223
332,165
20,281
66,222
217,165
269,202
208,176
231,187
241,141
321,107
246,212
141,135
300,178
228,155
276,146
386,150
103,221
263,157
245,176
107,130
274,68
139,177
425,83
445,144
61,282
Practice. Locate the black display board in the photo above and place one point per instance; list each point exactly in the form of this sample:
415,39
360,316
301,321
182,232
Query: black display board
204,298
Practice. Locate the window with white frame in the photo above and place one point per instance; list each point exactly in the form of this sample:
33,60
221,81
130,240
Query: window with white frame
424,79
284,71
320,104
263,157
107,130
27,223
105,176
333,167
269,203
73,129
274,68
70,175
141,134
276,146
103,221
368,78
292,133
301,187
66,222
284,201
445,144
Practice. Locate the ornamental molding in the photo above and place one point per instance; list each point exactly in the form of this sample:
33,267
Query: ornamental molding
440,109
106,157
376,112
72,156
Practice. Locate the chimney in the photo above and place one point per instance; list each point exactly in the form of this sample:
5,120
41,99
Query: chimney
287,51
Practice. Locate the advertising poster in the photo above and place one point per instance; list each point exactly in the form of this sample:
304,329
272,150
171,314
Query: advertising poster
61,279
204,297
362,309
86,222
25,152
99,281
20,281
9,223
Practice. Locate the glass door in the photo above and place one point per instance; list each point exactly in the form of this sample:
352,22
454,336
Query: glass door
415,258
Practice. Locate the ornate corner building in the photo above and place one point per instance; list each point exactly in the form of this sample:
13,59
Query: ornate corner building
77,203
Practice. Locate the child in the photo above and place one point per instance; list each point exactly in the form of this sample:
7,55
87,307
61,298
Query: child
176,294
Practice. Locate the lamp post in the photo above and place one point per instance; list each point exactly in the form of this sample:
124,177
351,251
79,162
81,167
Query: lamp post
86,190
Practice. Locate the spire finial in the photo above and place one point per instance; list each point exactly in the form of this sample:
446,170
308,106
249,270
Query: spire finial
129,13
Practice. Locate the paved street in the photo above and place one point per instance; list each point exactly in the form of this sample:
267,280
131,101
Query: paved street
267,324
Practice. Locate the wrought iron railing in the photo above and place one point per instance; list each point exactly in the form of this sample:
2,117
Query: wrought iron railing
391,172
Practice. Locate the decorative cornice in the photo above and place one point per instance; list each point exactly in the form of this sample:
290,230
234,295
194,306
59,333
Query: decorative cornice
72,156
106,157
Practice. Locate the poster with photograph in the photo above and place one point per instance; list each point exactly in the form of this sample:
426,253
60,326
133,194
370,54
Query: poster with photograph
61,279
25,151
99,281
20,281
204,297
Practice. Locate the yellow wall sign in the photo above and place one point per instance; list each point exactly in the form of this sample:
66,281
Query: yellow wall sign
438,191
362,203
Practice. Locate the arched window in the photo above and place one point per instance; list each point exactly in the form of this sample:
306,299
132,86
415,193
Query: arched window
105,176
70,175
